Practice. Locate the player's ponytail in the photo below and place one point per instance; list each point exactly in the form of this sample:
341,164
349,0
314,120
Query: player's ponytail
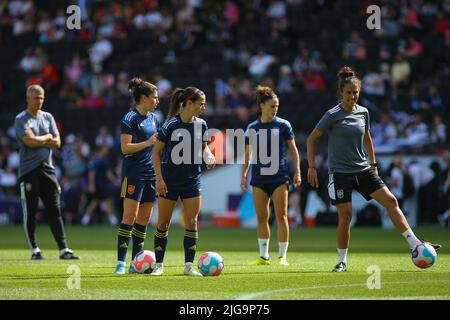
345,76
138,87
180,97
175,103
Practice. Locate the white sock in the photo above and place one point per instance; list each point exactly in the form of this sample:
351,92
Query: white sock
159,264
35,250
342,253
411,238
64,251
282,249
123,263
264,248
188,265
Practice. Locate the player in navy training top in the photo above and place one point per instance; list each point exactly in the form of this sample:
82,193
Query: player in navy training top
138,135
178,157
270,177
352,165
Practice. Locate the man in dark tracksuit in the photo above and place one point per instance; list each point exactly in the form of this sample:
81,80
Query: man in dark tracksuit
37,134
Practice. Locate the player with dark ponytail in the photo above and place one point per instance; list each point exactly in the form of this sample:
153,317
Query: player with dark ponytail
352,164
138,136
178,176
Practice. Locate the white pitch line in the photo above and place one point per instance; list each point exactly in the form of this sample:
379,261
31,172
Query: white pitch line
249,296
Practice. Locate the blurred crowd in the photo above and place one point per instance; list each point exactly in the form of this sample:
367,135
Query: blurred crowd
225,48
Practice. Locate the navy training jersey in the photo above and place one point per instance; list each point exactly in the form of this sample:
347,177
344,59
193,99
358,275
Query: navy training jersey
182,169
141,128
260,136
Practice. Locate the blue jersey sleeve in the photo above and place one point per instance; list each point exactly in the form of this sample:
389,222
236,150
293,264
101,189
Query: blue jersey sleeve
288,132
126,127
164,132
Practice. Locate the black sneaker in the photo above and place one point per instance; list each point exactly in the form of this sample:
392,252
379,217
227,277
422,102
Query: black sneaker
68,255
436,246
341,266
37,256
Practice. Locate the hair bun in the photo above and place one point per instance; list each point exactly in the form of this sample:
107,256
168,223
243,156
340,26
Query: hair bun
134,83
346,72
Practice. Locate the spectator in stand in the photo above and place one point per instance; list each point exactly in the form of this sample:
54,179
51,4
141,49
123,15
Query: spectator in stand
435,99
441,24
313,82
163,84
438,132
373,86
383,133
122,83
104,138
260,64
285,81
417,132
29,62
354,48
99,52
75,68
400,72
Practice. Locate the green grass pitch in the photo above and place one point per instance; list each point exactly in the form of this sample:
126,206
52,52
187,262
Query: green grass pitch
311,254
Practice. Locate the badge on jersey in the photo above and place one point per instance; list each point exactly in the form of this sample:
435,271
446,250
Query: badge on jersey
340,193
130,189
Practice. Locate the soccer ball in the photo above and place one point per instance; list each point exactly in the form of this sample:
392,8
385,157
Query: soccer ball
424,255
144,261
210,264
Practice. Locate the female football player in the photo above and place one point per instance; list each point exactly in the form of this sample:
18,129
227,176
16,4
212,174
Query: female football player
138,136
273,133
178,156
352,164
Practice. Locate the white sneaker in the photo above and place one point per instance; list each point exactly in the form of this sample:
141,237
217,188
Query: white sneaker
86,219
158,271
190,271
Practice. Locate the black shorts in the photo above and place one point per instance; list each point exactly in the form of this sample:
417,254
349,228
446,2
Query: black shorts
341,185
269,188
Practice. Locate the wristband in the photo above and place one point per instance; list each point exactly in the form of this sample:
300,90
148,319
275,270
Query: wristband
374,164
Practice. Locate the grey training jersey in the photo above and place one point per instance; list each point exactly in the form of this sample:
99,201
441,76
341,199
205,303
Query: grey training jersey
346,132
43,123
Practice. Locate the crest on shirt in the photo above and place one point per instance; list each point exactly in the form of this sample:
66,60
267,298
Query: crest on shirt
340,193
130,189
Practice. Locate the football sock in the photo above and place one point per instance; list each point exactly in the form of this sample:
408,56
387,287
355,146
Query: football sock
123,239
342,253
263,248
411,238
282,249
160,244
138,235
190,244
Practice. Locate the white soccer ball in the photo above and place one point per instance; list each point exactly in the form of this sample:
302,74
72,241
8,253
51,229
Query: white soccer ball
144,261
424,255
210,264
